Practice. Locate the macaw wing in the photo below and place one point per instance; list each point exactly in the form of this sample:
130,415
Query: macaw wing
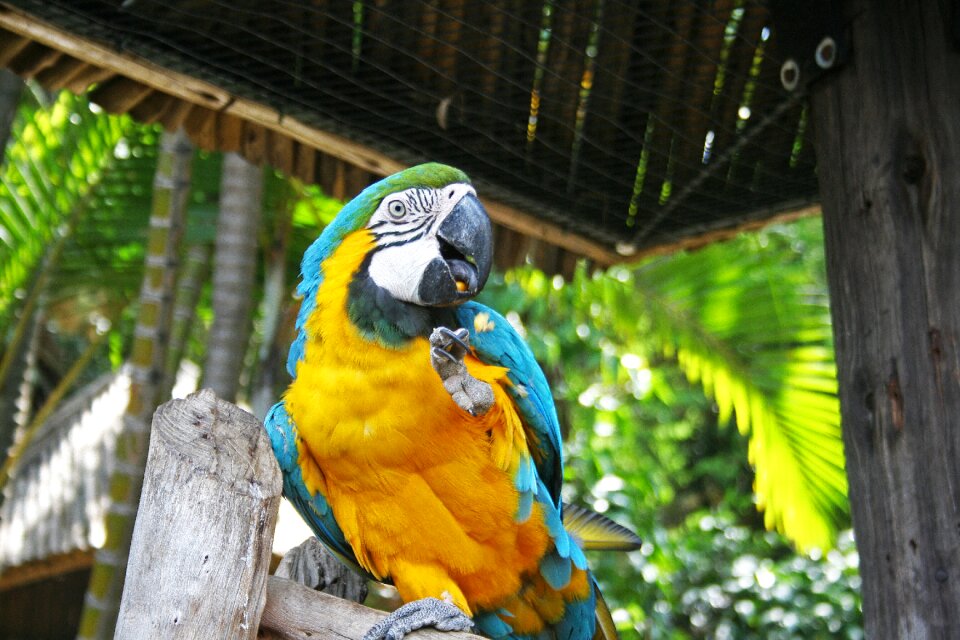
495,342
313,508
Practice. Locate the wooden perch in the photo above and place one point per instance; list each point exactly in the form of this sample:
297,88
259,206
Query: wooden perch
296,612
202,541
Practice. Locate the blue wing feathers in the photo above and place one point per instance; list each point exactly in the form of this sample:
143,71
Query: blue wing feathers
526,483
555,570
578,619
498,344
492,626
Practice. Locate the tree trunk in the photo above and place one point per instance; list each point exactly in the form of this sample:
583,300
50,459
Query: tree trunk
888,146
271,372
194,274
148,360
234,269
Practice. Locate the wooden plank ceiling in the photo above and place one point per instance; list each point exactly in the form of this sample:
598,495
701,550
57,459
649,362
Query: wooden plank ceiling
600,128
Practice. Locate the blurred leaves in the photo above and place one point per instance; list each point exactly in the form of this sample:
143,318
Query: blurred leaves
58,154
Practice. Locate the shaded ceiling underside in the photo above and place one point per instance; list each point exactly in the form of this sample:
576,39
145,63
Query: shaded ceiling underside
621,126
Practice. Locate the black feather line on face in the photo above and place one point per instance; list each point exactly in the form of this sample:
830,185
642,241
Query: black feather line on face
418,233
382,318
394,226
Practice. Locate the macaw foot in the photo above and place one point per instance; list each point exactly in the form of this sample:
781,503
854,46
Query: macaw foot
446,354
428,612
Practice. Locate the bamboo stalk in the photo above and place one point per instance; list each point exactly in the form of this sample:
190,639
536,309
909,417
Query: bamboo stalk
196,270
148,360
234,273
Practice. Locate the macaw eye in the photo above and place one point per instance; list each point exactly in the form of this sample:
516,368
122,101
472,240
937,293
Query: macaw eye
396,209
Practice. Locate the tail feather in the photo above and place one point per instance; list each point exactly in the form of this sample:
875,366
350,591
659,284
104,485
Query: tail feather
605,629
596,532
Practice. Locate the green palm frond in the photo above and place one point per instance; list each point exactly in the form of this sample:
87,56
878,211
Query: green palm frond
57,155
107,241
755,333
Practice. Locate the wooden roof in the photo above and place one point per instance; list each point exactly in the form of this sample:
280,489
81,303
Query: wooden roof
56,501
598,128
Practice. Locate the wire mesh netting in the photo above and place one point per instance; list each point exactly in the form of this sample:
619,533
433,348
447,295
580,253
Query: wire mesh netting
631,123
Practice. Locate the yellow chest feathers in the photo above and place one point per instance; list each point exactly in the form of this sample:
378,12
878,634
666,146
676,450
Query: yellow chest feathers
357,402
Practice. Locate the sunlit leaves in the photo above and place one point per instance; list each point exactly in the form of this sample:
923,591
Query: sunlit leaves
752,326
56,156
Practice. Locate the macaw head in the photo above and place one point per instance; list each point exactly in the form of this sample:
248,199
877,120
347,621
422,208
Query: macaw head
432,240
432,246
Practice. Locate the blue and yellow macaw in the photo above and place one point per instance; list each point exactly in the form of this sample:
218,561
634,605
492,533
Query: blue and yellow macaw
419,438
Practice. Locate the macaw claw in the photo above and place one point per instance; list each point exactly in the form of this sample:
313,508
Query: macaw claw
459,341
427,612
447,350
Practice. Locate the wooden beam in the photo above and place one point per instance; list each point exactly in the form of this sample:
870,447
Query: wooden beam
525,223
699,241
205,94
11,46
49,567
177,84
887,130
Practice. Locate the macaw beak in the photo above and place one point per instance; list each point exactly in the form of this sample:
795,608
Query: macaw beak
466,255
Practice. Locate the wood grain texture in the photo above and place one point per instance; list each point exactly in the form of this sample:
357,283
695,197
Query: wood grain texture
296,612
888,146
201,545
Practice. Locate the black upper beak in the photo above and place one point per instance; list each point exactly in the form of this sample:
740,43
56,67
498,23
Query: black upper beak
466,249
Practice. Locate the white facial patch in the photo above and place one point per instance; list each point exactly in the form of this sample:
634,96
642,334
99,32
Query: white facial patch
405,224
398,269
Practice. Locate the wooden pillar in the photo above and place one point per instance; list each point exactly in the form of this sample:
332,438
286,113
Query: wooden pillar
888,146
202,541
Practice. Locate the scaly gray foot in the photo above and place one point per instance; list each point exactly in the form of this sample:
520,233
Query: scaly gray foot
428,612
446,355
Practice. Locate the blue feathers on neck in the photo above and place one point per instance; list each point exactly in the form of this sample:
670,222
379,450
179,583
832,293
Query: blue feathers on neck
353,216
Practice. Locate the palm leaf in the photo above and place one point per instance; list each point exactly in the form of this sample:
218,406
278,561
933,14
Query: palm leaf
752,329
57,155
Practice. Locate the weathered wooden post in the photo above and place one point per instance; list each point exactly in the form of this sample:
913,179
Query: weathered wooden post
202,540
888,159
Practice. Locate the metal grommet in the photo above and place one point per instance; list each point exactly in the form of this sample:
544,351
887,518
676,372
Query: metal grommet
826,53
790,74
